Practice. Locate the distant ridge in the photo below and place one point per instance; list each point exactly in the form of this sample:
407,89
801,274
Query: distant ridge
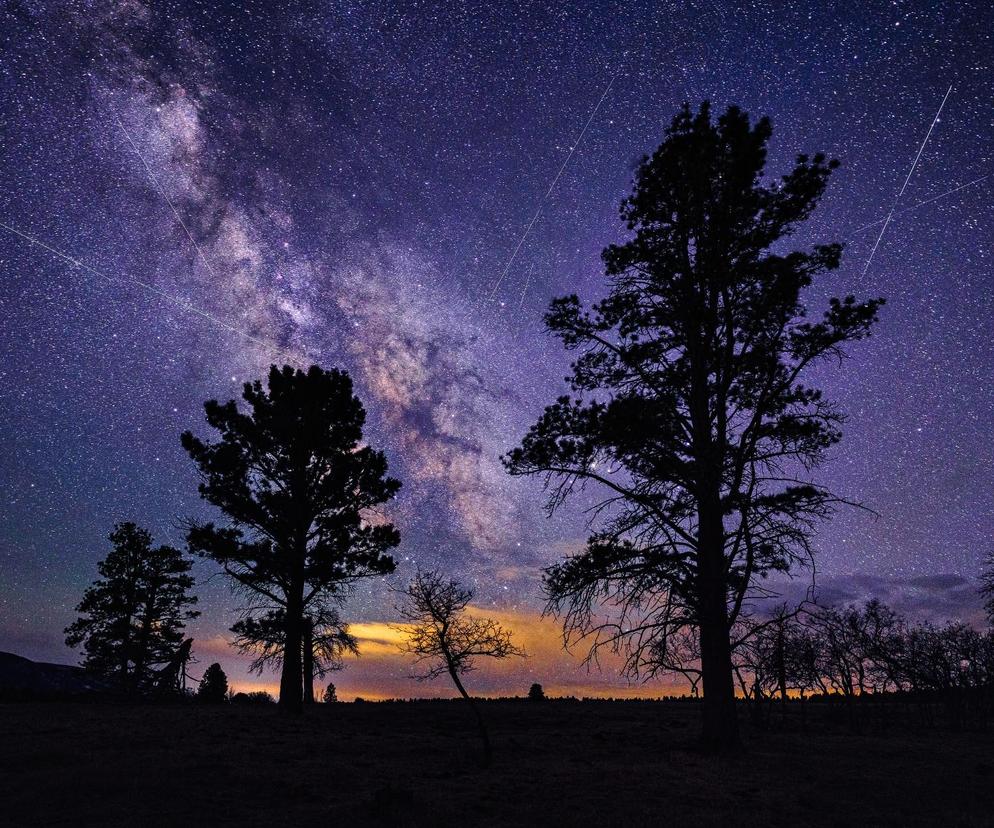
22,678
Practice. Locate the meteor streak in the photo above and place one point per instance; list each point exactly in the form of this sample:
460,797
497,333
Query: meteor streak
524,290
169,201
552,186
923,203
904,186
181,303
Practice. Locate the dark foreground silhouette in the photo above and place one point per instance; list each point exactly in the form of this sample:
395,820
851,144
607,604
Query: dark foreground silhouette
412,764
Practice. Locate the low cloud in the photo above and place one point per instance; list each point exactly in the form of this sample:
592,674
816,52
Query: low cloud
939,598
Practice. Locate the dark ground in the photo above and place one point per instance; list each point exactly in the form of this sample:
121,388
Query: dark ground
415,764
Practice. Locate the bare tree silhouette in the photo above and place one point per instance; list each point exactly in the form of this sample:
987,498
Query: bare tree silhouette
445,637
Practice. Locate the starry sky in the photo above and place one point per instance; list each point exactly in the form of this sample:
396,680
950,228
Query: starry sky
191,191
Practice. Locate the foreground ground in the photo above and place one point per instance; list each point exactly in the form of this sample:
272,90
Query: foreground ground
415,764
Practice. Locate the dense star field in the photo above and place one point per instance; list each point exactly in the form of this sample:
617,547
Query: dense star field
192,191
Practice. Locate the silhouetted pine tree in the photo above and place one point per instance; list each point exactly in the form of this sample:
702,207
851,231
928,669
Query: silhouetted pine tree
213,686
688,406
296,482
132,618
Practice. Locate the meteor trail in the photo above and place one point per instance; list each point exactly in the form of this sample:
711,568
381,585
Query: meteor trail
152,289
904,186
169,201
524,290
552,186
923,203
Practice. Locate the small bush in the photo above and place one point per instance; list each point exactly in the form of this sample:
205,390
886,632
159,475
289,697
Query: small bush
255,697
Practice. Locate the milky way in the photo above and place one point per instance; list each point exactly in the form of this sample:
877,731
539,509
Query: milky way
368,186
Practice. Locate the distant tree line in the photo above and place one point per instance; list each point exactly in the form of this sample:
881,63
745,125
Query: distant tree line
858,653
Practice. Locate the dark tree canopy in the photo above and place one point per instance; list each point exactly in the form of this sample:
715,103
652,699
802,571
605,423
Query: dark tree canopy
300,490
132,619
213,686
689,409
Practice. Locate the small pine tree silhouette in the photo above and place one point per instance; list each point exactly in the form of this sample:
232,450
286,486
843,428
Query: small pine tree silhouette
330,695
132,618
214,685
536,693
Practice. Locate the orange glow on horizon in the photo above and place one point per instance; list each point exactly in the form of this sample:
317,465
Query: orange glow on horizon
382,671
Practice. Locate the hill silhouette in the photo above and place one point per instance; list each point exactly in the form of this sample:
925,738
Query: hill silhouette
22,678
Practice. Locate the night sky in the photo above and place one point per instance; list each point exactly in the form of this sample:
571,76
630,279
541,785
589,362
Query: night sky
230,185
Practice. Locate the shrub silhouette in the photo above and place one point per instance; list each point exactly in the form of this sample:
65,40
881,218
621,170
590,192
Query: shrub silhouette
255,697
536,693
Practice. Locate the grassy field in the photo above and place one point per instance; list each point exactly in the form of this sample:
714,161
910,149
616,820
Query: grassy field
415,764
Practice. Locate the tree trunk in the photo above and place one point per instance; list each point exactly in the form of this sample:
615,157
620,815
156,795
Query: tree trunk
782,669
721,724
291,679
307,652
145,637
480,724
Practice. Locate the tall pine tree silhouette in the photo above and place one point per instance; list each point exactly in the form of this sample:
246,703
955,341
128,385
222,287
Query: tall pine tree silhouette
292,475
688,408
